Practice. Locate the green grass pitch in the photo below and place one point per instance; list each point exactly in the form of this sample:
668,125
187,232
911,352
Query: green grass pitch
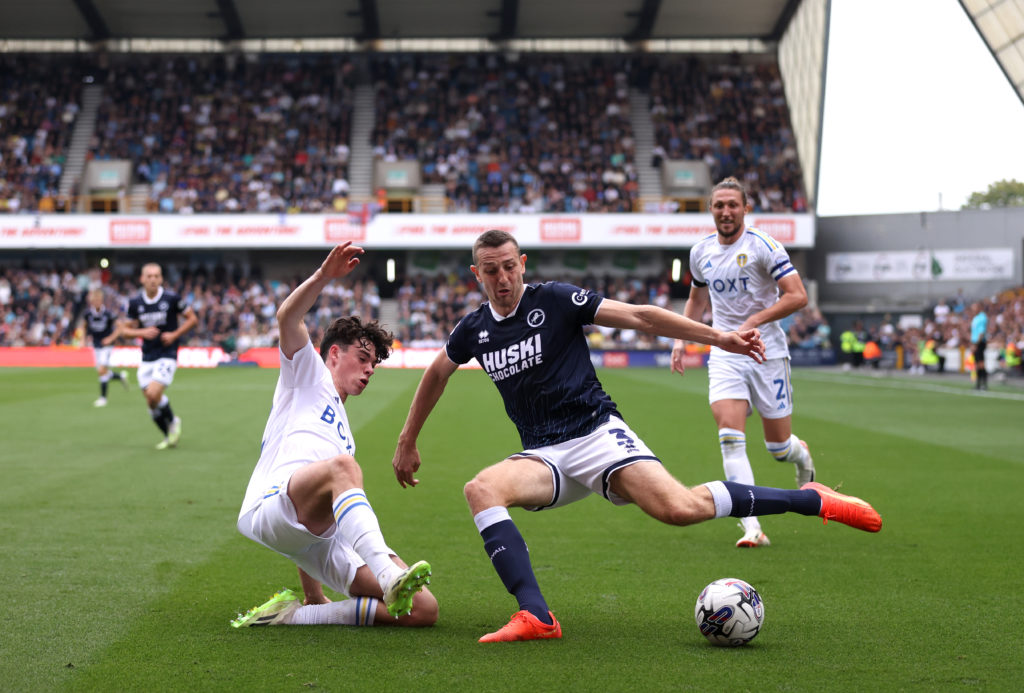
121,565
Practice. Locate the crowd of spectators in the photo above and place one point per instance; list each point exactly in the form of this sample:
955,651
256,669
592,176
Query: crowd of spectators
524,133
733,116
39,102
530,132
946,330
43,308
227,133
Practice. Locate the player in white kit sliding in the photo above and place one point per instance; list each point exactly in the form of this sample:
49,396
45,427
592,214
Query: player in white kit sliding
305,499
740,270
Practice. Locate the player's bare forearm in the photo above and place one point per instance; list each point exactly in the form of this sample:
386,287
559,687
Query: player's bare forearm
191,320
794,298
293,334
746,342
312,589
696,305
407,458
656,321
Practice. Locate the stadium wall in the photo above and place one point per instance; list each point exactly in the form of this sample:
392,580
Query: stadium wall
901,262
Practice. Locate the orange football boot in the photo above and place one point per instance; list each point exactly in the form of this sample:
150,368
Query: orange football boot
525,626
849,510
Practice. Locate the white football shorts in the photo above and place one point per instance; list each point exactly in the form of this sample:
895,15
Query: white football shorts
327,558
101,356
585,465
161,370
765,386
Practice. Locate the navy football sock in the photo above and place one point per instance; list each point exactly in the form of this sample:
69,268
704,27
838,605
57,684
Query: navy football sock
511,559
750,501
158,419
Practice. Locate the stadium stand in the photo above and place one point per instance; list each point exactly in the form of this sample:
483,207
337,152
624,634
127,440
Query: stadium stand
540,132
39,102
226,133
732,115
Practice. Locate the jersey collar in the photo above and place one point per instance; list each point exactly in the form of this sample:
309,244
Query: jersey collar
150,301
500,318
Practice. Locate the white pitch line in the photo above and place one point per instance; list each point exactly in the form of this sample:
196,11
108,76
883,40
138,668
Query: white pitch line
906,384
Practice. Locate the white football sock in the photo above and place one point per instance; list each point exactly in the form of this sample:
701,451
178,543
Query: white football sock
358,611
788,450
359,527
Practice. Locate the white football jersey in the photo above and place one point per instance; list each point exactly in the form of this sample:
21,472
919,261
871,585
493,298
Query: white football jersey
742,279
307,423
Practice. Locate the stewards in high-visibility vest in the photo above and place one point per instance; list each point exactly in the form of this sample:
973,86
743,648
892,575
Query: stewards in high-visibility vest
852,346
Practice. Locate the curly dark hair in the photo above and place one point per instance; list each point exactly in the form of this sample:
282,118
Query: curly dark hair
351,330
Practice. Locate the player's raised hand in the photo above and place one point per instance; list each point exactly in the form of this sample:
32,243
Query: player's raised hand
341,260
747,342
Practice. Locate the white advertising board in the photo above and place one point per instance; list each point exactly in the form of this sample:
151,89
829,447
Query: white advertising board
398,231
920,265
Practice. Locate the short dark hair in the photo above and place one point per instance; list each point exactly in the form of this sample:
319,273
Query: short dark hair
495,238
351,330
731,183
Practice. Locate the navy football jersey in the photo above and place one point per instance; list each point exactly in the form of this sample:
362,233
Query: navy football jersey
162,312
98,324
540,361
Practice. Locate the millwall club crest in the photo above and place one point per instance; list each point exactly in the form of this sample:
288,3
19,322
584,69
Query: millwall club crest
484,336
535,318
741,259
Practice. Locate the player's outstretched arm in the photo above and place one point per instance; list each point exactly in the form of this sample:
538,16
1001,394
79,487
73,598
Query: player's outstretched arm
293,334
407,457
658,321
746,342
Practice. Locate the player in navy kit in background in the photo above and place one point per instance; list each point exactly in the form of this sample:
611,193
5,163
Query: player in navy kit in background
530,341
102,329
159,317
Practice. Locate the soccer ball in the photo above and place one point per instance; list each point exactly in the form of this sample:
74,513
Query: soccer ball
729,612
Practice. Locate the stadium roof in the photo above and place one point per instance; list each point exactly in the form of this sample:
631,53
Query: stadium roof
795,30
99,20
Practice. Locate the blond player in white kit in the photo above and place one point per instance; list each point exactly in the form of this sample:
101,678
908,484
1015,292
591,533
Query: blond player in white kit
740,271
305,499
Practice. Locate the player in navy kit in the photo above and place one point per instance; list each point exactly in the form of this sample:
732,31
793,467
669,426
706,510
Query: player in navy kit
159,317
530,341
102,329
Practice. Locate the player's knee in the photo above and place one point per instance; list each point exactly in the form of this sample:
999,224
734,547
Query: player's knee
473,489
345,472
424,610
481,494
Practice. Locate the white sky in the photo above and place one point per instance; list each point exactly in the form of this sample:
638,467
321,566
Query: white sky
916,107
